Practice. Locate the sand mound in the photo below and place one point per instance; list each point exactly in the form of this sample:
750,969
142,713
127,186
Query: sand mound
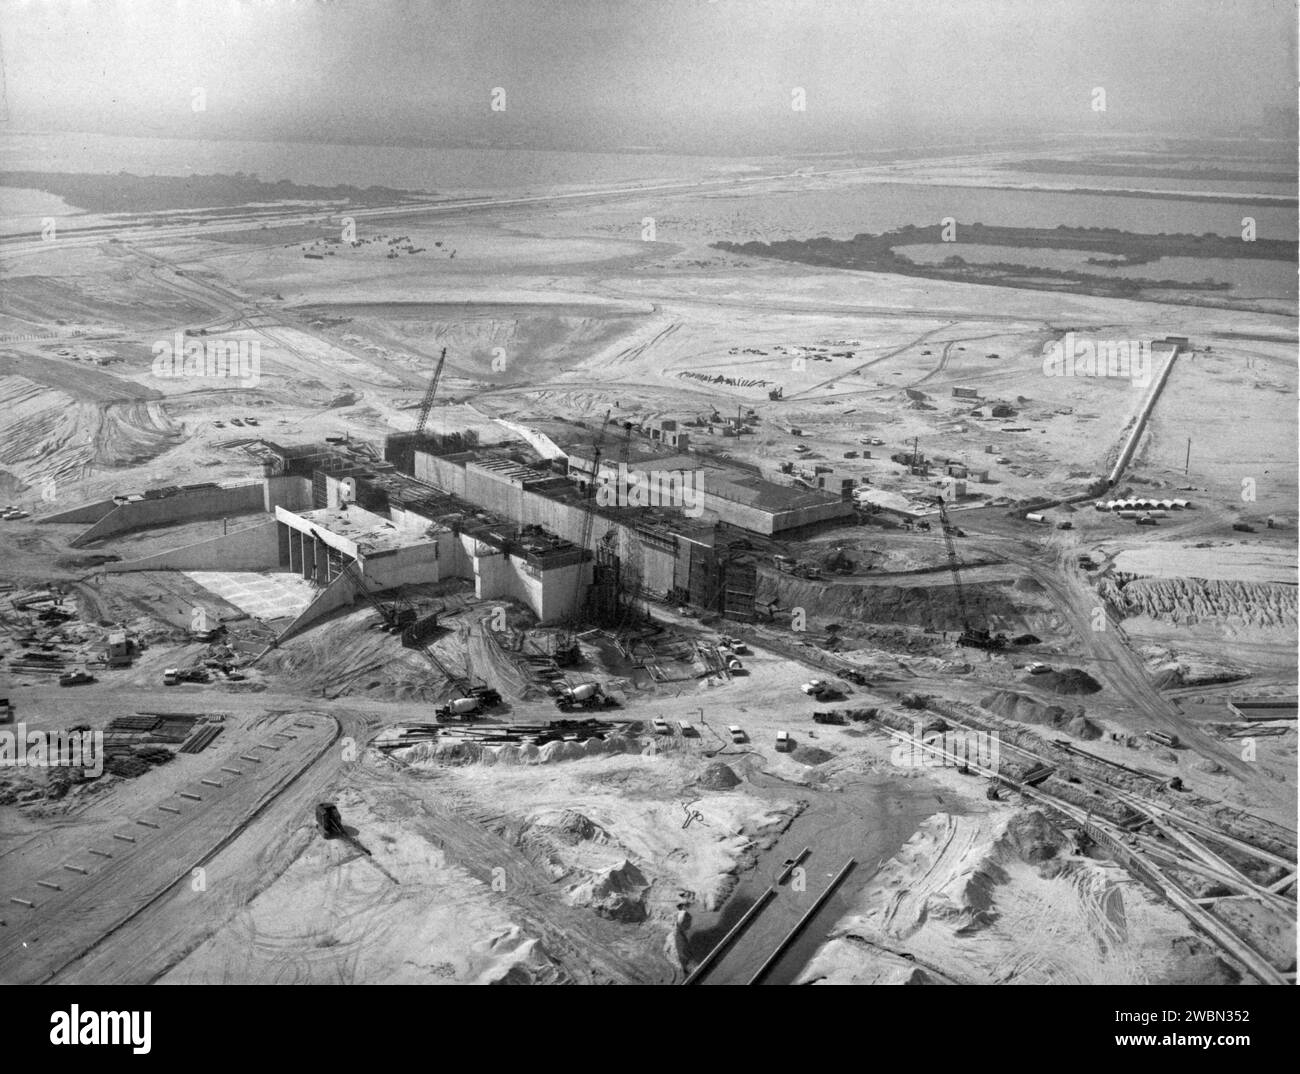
811,755
1194,673
718,777
575,827
1082,727
1032,837
1028,585
1024,709
1067,681
618,893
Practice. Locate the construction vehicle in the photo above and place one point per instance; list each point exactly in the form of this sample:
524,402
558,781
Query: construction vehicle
458,708
586,695
75,678
329,821
776,394
784,743
820,690
567,650
330,824
832,717
174,676
972,637
426,404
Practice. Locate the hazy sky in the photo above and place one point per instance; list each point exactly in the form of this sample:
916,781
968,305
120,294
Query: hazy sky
713,75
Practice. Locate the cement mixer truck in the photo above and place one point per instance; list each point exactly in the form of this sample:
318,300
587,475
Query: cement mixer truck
586,695
459,708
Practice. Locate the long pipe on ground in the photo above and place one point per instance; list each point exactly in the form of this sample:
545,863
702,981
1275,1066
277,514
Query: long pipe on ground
1139,426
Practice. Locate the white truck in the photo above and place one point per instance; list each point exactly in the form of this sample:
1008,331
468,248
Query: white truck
587,695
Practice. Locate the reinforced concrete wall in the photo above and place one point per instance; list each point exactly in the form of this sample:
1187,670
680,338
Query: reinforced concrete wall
440,472
768,523
291,492
657,567
413,565
86,513
552,594
254,548
179,507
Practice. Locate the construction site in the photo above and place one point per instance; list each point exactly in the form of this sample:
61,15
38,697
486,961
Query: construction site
485,586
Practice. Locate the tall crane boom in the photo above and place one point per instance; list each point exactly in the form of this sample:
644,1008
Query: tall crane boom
426,404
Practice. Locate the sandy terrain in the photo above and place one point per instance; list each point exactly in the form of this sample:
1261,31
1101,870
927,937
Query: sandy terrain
595,869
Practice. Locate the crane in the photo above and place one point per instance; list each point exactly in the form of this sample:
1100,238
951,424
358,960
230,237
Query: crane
566,650
426,404
974,637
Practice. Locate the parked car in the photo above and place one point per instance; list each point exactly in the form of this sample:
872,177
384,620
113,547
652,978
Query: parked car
737,734
660,726
783,741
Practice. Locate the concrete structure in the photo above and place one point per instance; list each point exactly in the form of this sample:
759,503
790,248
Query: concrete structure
731,494
160,507
666,431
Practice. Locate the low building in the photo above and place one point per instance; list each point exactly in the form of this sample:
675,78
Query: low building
666,431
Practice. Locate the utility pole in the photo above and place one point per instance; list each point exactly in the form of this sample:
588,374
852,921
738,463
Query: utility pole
1187,464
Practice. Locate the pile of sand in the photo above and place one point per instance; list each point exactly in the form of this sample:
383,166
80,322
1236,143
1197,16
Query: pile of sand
618,893
1024,709
718,777
1194,673
1031,837
1067,681
811,755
